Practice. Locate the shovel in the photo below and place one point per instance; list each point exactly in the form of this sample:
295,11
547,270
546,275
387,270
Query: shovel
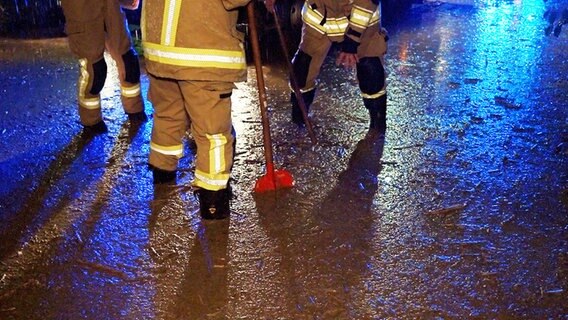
273,179
293,81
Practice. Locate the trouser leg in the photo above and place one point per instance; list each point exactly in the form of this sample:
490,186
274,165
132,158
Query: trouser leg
85,30
119,45
308,98
169,123
371,77
91,81
306,66
209,107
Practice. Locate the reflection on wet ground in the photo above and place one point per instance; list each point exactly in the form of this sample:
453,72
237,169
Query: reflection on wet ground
459,211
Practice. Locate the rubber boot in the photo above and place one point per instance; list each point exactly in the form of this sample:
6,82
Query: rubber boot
214,204
377,113
94,130
297,116
137,117
161,176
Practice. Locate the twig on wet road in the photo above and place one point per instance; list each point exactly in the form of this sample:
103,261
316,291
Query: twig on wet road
104,269
408,146
448,210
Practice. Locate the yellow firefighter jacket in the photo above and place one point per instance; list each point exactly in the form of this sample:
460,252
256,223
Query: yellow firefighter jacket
193,40
339,18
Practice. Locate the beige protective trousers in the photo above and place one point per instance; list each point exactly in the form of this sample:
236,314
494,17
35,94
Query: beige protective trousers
317,46
93,26
206,105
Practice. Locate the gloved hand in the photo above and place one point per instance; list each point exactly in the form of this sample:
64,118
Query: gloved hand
348,56
347,60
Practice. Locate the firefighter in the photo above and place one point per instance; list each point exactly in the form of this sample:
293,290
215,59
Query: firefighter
93,26
356,26
194,55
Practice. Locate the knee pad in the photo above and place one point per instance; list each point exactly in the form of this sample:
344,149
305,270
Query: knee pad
99,76
301,65
371,75
131,66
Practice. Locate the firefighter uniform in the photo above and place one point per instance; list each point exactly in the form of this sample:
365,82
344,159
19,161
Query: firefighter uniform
356,24
194,55
93,26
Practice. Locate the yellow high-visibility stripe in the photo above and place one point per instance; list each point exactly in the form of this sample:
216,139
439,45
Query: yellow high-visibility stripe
176,150
170,22
217,161
372,22
177,12
130,92
332,26
83,77
375,18
165,21
360,16
312,18
192,57
87,103
374,95
336,26
90,103
211,181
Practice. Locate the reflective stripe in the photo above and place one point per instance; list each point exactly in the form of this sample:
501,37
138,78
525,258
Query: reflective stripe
375,18
176,150
332,26
375,95
336,27
211,181
87,103
312,18
191,57
360,17
132,91
170,19
90,103
304,90
217,161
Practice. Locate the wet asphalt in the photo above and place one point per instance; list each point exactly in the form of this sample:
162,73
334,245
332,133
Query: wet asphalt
460,211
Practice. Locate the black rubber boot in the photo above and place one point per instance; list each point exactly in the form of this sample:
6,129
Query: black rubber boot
308,98
377,113
94,130
214,204
161,176
137,117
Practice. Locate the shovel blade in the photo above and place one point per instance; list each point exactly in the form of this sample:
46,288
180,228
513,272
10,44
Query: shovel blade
273,180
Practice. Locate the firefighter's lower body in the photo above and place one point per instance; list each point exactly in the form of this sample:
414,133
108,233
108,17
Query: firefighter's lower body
309,58
206,107
93,27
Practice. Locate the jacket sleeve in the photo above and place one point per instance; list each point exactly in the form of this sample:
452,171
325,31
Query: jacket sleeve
233,4
364,13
